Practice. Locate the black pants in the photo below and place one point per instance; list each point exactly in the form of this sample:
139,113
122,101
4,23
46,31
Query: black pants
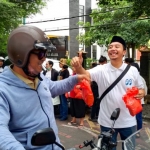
77,108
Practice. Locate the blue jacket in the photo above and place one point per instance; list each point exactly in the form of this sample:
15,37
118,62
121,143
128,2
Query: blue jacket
23,110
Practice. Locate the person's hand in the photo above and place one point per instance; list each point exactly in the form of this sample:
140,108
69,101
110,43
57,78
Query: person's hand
76,62
83,76
78,86
141,94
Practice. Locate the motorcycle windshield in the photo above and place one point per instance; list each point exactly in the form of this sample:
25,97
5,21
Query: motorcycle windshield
140,140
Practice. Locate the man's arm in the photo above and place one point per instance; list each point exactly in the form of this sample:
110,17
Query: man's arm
62,86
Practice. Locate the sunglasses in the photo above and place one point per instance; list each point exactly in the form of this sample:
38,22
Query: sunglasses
41,54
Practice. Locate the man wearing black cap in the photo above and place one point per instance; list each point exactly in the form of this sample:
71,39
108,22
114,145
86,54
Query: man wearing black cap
104,76
1,64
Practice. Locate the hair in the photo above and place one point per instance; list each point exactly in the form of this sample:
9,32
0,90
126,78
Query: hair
129,60
94,64
102,59
50,63
136,65
65,67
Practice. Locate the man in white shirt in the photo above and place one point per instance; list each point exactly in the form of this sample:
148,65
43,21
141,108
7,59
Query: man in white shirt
104,76
51,72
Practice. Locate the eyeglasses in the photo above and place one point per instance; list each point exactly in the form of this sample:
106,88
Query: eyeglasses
41,54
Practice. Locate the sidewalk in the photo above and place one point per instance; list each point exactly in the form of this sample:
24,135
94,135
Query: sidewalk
146,111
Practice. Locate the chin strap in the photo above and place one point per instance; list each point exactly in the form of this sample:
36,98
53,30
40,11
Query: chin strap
26,71
39,76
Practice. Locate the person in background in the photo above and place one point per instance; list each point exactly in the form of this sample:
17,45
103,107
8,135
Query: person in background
1,64
51,72
63,74
128,60
139,115
77,104
7,62
102,60
95,108
131,61
104,76
25,93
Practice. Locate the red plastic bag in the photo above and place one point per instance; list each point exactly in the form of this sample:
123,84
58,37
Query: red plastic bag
87,93
132,103
78,93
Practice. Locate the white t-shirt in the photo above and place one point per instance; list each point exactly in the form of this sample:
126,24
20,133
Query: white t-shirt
105,75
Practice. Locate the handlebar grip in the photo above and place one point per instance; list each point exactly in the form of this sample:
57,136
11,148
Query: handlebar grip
81,146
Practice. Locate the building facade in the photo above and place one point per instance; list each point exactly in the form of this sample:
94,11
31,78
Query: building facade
59,20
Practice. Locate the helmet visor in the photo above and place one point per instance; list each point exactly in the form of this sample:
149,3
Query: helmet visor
44,46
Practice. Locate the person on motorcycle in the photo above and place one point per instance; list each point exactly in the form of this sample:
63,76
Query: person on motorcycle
25,93
1,64
104,76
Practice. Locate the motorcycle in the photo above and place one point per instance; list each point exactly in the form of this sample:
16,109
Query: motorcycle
45,137
104,139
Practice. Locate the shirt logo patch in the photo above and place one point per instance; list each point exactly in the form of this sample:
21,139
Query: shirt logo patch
45,88
128,82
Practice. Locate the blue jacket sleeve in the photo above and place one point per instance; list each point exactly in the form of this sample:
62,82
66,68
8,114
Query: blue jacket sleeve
7,140
62,86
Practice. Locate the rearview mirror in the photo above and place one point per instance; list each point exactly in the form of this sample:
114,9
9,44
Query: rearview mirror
115,114
43,137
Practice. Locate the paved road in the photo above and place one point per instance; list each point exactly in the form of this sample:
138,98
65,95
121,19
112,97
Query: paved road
73,136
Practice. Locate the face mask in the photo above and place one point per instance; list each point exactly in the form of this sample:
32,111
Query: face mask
48,69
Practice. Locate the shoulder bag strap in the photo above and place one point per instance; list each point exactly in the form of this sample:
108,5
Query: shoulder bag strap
113,84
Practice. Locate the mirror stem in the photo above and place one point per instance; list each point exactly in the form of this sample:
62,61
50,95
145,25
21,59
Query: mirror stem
60,145
113,124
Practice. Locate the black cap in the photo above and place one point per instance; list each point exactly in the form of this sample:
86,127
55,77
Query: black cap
120,40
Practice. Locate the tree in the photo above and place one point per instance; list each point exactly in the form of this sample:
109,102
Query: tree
115,19
140,7
12,12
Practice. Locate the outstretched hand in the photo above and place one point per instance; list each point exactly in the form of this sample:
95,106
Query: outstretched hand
83,76
76,62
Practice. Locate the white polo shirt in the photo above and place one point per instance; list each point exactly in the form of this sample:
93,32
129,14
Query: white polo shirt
105,75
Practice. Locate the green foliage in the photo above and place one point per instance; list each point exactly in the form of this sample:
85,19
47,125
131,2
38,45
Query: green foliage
11,15
115,18
140,7
68,62
88,62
